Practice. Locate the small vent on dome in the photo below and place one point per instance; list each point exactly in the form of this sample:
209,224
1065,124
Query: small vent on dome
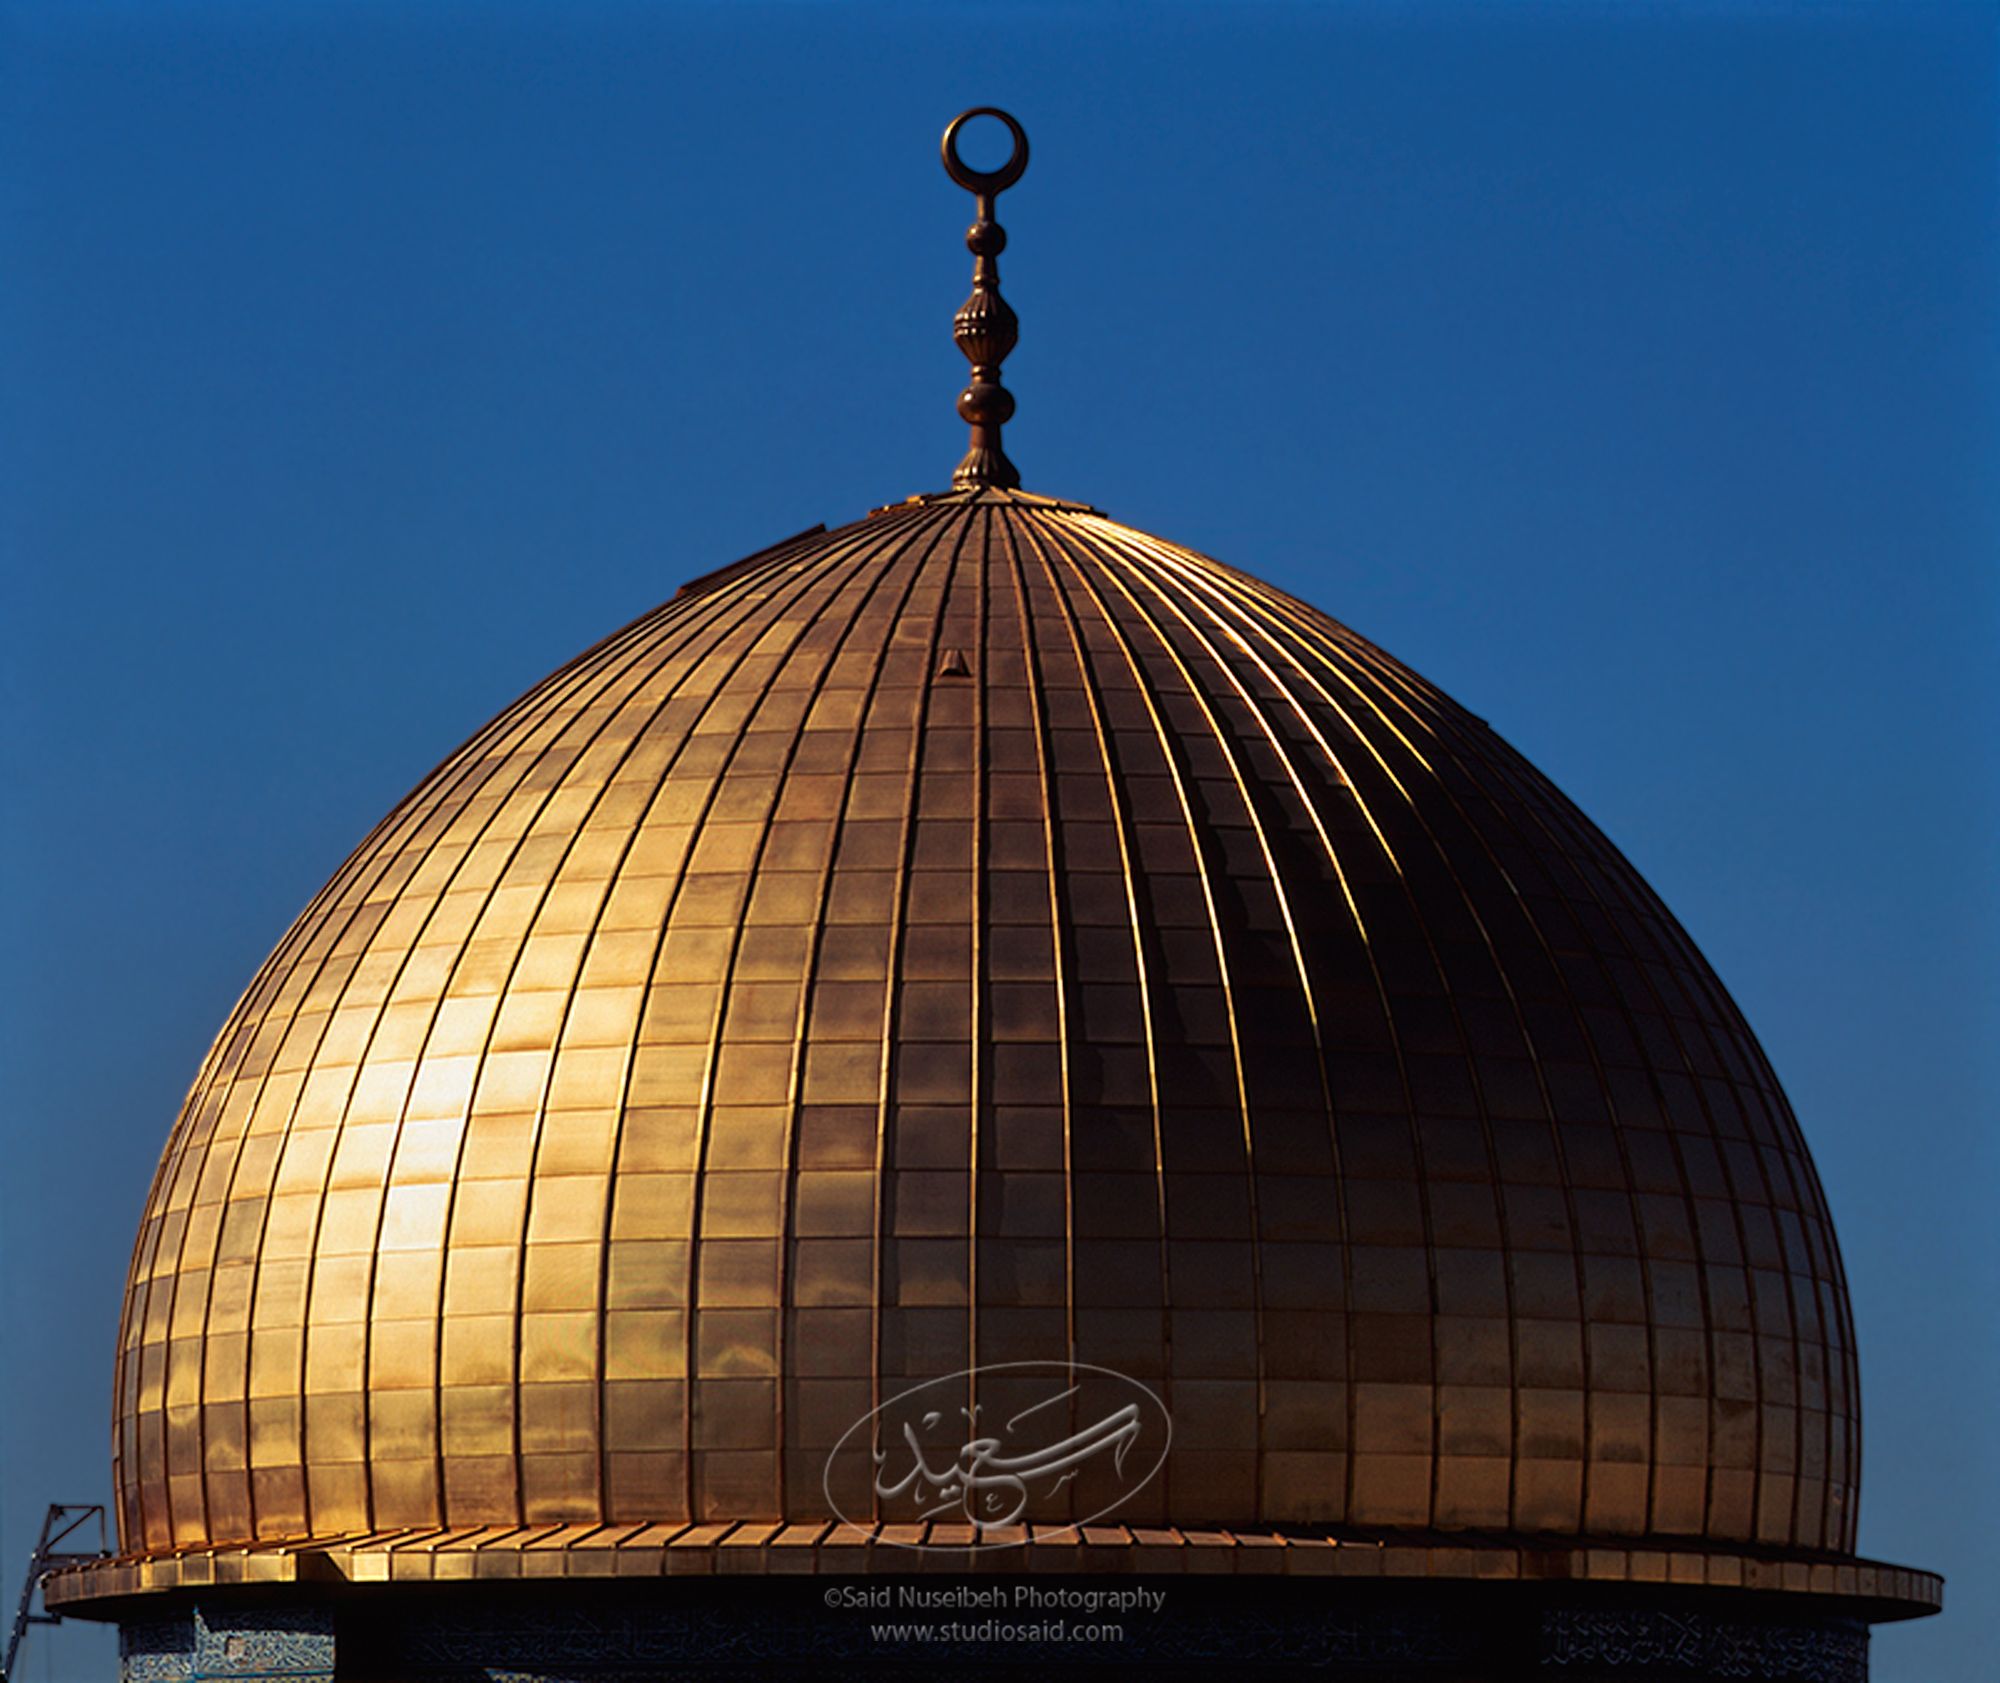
722,575
951,664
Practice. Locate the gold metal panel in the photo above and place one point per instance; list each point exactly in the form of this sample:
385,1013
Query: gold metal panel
577,1142
486,1212
406,1284
561,1276
479,1349
645,1344
413,1218
588,1078
477,1420
566,1207
402,1354
495,1148
427,1150
738,1204
480,1280
556,1419
652,1206
558,1346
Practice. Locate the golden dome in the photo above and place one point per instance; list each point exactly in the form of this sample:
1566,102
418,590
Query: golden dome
986,933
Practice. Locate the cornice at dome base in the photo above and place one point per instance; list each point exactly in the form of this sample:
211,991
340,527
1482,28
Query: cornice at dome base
1868,1589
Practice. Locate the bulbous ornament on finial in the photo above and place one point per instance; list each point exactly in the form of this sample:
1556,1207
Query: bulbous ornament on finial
985,328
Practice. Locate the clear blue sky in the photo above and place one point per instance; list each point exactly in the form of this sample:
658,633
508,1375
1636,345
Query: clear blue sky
1629,369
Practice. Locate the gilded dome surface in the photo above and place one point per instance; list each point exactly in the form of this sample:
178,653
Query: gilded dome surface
986,933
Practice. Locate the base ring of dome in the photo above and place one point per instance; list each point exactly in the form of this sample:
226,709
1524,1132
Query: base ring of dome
1877,1590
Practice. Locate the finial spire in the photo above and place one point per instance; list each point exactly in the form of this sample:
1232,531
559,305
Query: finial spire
985,327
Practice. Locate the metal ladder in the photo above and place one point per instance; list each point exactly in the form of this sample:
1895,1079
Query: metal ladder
63,1522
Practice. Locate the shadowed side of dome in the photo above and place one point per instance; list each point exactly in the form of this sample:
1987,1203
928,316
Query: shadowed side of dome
982,934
